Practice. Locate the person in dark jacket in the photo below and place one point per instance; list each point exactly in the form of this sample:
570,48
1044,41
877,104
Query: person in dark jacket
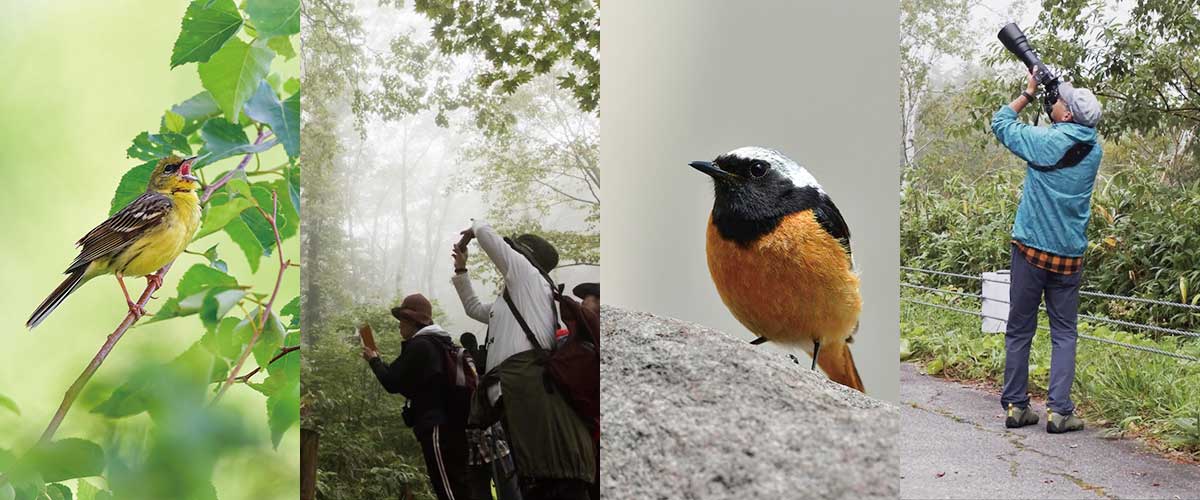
419,374
589,293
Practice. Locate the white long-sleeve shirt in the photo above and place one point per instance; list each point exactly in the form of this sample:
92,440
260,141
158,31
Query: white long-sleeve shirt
529,291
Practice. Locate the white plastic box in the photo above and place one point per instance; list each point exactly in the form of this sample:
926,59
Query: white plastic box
995,301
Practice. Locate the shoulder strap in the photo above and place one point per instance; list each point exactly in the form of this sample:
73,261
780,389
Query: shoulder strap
1069,159
521,321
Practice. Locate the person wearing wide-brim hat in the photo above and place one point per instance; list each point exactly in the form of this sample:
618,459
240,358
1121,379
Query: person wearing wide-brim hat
418,374
551,445
1049,238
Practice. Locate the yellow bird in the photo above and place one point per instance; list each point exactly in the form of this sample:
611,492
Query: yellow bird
149,233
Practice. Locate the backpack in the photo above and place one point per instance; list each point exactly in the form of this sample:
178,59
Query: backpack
573,368
461,381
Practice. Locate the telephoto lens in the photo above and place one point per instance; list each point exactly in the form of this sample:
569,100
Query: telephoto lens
1015,41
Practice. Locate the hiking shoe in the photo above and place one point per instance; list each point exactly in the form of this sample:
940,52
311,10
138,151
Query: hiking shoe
1019,416
1058,424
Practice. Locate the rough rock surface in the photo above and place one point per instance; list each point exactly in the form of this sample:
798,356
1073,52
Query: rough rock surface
690,412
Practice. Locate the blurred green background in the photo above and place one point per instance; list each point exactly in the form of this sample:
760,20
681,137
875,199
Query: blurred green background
82,79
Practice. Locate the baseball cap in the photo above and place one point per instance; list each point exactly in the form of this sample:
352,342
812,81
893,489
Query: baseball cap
1084,106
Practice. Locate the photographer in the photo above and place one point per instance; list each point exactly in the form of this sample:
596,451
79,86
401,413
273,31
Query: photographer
550,444
419,375
1048,242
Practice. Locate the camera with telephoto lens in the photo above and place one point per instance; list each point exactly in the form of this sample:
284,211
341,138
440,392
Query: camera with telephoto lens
1014,40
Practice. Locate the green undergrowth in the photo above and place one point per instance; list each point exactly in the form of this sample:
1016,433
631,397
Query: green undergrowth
1126,391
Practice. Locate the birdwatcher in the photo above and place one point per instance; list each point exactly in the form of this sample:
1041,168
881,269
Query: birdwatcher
1048,242
419,374
550,443
589,293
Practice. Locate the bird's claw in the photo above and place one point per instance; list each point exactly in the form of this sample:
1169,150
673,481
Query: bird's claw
137,310
154,280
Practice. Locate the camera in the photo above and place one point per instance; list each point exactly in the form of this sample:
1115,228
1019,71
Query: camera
1014,40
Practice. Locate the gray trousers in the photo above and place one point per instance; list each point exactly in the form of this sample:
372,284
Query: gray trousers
1028,285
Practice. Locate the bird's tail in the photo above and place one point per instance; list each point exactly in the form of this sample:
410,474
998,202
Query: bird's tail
838,363
56,297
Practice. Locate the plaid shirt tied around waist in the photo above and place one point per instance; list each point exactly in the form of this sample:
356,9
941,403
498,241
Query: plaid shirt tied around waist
1047,261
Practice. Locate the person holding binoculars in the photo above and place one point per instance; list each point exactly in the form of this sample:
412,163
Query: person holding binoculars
1049,234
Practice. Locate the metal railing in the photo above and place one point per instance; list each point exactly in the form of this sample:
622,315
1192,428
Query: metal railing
1127,324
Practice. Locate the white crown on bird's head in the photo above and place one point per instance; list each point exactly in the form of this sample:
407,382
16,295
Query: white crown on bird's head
786,166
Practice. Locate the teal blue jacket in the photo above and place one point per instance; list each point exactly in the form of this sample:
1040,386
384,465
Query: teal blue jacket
1055,205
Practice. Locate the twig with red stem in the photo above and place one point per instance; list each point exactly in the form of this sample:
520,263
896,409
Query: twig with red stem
266,310
151,287
282,352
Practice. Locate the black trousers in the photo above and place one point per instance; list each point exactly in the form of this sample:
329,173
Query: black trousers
445,452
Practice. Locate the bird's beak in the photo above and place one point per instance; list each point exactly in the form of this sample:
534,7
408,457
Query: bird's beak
185,170
708,168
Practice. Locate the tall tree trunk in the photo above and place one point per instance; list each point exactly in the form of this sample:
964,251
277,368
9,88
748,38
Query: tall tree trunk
309,442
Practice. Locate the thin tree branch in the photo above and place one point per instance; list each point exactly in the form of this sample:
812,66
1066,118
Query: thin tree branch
282,352
266,310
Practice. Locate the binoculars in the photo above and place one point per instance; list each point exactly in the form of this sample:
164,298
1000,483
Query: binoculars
1014,40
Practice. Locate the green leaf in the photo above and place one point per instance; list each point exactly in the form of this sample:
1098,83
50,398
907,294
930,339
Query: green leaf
283,410
274,17
154,147
87,491
67,459
200,278
233,73
216,305
245,239
214,260
216,217
158,386
240,184
223,139
132,185
223,340
282,117
7,492
173,122
206,26
282,45
197,108
28,485
258,225
269,340
292,310
292,85
289,365
293,184
57,491
11,405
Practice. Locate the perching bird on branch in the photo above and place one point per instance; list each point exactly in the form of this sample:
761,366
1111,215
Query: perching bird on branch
779,255
149,233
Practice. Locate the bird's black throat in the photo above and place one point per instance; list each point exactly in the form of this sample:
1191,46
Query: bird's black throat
745,210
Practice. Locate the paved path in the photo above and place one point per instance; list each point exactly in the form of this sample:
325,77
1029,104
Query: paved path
954,445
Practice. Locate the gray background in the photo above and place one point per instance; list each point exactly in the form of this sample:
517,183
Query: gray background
688,80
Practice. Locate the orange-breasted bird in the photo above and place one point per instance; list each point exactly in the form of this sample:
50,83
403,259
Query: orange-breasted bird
779,254
145,235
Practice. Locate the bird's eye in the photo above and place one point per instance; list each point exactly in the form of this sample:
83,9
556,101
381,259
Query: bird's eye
759,168
171,168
